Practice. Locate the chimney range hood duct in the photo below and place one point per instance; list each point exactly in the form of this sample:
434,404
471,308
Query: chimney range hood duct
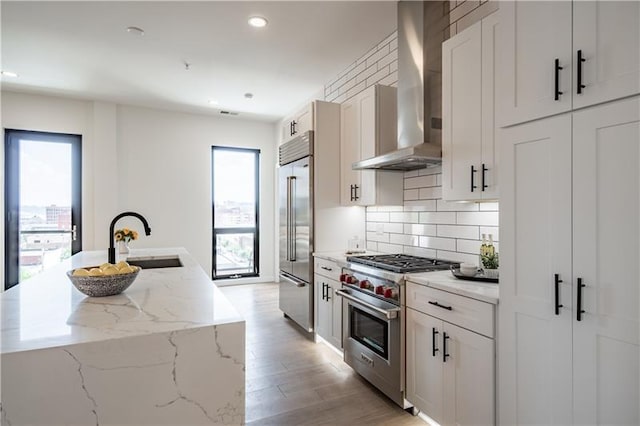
421,27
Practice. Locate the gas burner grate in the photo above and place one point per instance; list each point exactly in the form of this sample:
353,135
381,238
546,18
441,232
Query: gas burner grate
402,263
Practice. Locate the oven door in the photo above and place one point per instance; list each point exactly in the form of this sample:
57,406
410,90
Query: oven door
371,333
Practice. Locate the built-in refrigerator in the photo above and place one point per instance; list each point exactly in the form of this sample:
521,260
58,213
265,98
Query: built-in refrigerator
295,192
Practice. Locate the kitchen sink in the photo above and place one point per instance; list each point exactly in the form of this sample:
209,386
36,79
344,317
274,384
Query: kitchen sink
153,262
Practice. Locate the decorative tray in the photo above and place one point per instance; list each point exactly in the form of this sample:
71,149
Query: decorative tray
479,276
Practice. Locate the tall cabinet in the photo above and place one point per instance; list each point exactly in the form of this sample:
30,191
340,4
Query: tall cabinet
569,347
469,151
368,127
563,55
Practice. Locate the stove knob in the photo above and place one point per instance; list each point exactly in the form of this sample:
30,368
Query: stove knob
352,280
365,284
343,278
380,290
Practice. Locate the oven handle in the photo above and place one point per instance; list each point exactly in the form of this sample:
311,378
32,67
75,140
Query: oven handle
389,313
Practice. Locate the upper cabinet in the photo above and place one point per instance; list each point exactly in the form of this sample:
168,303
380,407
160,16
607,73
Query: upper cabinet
469,152
587,53
368,127
297,124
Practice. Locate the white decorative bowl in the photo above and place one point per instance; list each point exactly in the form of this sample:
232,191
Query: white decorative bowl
103,285
468,269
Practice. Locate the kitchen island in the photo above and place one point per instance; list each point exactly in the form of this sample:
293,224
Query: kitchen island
168,350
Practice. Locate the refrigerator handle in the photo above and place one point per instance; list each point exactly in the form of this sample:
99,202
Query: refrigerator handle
293,219
289,197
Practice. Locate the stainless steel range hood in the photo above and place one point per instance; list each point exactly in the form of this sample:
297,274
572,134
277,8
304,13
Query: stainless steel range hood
421,29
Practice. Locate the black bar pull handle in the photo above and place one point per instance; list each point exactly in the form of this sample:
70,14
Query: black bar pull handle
434,333
444,347
473,171
484,172
328,293
581,59
448,308
579,309
556,283
557,91
294,123
351,192
355,192
323,290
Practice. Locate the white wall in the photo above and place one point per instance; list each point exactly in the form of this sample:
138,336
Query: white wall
151,161
164,172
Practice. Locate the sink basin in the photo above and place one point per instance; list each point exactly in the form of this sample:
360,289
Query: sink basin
153,262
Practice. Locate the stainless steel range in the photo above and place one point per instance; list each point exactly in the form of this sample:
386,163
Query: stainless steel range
373,317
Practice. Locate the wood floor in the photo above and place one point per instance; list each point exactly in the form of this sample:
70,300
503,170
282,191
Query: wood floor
294,381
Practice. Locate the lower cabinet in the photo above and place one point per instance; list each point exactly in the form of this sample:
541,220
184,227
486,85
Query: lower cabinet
450,370
328,305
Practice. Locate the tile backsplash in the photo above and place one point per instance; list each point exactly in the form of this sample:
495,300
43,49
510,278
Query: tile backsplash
428,226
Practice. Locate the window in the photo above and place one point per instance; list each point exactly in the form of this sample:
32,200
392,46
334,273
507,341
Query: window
235,184
42,201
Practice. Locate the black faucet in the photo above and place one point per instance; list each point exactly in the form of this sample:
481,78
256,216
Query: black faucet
112,249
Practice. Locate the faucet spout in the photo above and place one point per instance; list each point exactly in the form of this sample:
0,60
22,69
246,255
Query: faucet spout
112,249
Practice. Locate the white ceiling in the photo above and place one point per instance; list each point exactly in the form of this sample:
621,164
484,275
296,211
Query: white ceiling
81,49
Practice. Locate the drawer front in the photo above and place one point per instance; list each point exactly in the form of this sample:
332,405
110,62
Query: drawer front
327,269
464,312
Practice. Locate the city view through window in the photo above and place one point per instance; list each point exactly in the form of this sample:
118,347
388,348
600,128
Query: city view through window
45,206
234,206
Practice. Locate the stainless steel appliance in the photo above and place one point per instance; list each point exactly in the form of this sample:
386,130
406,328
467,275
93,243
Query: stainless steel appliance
419,82
373,317
296,229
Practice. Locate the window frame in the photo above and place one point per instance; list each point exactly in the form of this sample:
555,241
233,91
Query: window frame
237,230
12,139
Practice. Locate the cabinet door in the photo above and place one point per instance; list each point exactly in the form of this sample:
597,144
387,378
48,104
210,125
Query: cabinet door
608,35
606,230
367,105
534,345
304,120
462,115
489,169
425,373
349,150
323,312
535,34
335,305
469,377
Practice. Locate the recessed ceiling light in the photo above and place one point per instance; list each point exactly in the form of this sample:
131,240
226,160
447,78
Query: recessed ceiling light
135,31
248,95
213,102
257,21
8,74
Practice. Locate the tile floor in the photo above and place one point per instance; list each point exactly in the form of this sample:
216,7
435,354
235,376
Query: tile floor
293,381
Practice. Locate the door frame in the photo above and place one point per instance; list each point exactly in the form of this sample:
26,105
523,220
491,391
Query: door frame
12,139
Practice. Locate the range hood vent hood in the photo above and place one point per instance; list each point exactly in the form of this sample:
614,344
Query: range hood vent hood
421,29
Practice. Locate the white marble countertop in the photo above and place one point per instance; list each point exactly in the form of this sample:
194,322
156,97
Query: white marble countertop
47,311
443,280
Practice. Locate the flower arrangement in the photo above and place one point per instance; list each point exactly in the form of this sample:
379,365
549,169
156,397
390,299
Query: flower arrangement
125,235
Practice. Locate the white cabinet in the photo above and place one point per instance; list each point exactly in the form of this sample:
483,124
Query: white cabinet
299,123
328,305
469,154
368,123
595,44
450,369
570,217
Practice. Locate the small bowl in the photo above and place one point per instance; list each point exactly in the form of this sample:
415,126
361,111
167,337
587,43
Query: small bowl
468,269
104,285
